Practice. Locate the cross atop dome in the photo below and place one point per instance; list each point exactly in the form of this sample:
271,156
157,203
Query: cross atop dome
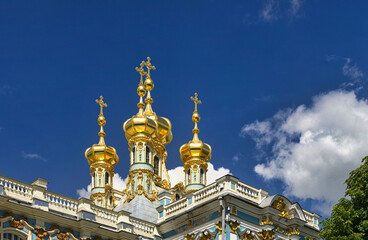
149,66
196,101
141,71
102,104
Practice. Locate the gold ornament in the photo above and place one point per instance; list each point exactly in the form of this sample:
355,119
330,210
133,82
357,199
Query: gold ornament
266,235
219,227
189,237
281,206
234,226
266,220
40,233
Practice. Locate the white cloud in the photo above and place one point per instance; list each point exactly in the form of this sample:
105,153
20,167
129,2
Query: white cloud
83,193
314,148
33,156
269,11
118,183
352,71
272,10
177,174
295,6
236,158
262,129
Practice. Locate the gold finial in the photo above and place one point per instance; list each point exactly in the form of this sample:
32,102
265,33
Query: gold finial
141,91
148,85
195,116
101,120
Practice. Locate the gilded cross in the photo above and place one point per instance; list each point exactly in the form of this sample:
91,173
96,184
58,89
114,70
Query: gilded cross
141,71
149,66
102,104
196,101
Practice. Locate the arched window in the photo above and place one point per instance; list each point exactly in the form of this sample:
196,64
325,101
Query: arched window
10,236
156,163
189,178
93,179
107,176
201,177
147,154
177,196
110,199
133,154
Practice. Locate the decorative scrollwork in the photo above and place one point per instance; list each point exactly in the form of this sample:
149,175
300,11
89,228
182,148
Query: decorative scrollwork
40,233
234,226
281,206
266,235
189,237
16,222
219,227
266,220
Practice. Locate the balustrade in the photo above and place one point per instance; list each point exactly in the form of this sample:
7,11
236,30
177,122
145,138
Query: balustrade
206,192
61,201
141,226
248,191
103,214
176,206
16,189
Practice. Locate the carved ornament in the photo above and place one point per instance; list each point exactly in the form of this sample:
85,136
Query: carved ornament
40,233
281,206
267,220
234,226
219,227
189,237
266,235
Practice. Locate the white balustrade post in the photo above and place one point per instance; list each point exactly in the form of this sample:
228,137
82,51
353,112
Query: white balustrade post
39,187
84,210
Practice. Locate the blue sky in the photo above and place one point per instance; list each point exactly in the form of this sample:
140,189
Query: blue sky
260,68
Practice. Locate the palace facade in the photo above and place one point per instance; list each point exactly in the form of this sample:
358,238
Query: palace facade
149,207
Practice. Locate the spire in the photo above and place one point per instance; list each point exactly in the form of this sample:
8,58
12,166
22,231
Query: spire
195,155
148,84
141,91
101,159
147,134
195,117
101,121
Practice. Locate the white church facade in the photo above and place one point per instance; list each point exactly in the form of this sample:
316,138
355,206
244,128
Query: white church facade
149,207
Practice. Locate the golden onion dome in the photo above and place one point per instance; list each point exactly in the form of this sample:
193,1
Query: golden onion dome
100,153
140,124
146,121
195,149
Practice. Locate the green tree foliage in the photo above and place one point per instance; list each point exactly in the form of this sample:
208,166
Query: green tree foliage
349,217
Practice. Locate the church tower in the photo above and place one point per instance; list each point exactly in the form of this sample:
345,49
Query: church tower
195,154
102,159
147,134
